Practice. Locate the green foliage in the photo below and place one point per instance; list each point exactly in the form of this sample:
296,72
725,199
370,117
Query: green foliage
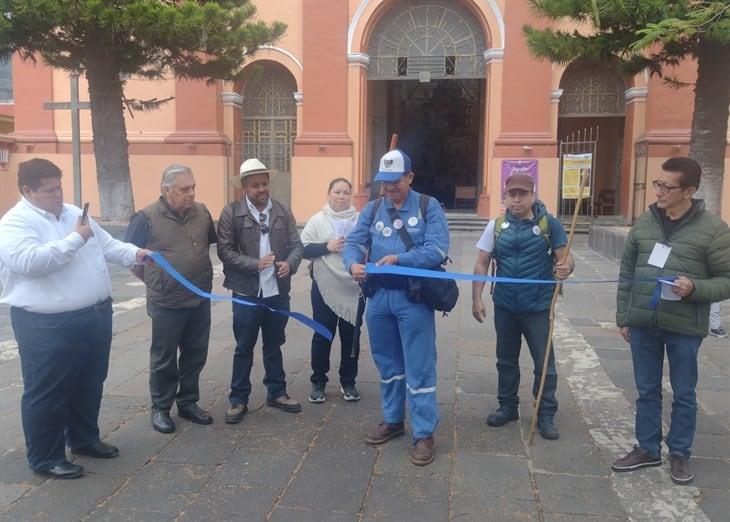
648,34
202,39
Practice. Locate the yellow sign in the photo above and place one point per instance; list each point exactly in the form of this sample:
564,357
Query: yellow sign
574,166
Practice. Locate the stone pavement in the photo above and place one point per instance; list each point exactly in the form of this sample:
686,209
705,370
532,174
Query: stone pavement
313,465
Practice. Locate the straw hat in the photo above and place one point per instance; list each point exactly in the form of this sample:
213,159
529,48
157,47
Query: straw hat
249,168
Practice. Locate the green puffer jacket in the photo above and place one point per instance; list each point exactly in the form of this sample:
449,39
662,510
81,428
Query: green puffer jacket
700,251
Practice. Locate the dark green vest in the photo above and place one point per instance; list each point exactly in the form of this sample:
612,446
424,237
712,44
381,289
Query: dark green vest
184,241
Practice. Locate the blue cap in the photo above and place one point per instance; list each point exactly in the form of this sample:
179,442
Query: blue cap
393,165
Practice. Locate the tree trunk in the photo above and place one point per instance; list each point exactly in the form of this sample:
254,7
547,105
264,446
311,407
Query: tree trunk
709,121
110,135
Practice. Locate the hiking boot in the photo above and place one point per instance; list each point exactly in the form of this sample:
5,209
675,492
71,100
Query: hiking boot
502,416
681,470
284,403
235,413
636,458
317,394
718,332
547,429
422,452
384,432
350,393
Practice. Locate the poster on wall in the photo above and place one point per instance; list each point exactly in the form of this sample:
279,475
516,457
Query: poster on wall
574,166
510,167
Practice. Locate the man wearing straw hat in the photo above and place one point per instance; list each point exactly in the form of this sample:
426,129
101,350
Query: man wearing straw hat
526,243
260,247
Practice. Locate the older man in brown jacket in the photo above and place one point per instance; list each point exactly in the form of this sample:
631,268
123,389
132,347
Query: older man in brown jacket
260,247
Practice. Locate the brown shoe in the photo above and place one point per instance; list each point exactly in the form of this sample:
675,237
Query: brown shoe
637,458
235,413
422,452
681,470
384,432
284,403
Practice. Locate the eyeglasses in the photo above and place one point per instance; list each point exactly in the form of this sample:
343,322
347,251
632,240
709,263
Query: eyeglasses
262,223
662,188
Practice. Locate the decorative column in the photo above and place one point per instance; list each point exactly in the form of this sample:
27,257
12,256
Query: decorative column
232,103
358,126
494,59
634,128
323,150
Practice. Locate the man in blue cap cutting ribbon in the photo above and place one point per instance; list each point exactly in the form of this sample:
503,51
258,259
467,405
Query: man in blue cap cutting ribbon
402,332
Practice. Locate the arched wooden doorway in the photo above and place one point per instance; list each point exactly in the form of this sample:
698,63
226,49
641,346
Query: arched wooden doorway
270,123
426,83
592,103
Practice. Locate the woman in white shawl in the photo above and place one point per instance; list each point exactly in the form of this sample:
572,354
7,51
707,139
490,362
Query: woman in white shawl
335,295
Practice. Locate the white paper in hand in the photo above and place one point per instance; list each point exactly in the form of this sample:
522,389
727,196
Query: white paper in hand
667,292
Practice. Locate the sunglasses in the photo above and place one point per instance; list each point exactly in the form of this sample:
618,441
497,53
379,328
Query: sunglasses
262,224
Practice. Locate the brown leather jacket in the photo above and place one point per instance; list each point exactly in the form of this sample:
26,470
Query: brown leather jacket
239,236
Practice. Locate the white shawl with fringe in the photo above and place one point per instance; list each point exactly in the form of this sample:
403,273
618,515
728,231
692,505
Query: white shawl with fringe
339,290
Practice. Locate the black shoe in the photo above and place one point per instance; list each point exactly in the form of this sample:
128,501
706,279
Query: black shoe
195,413
547,429
350,393
65,470
502,416
162,422
317,394
99,450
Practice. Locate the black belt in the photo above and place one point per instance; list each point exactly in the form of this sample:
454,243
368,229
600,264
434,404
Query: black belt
391,282
101,306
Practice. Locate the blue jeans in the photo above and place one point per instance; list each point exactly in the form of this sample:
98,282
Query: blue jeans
647,351
510,328
403,344
247,321
64,359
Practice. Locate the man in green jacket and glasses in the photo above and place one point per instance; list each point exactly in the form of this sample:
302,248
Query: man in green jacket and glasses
678,241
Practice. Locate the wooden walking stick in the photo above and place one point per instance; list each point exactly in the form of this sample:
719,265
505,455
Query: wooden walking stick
556,293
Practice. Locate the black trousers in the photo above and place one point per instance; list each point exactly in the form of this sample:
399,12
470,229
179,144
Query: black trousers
188,330
64,358
321,347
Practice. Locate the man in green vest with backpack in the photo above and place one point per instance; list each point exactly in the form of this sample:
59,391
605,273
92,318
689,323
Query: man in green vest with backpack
526,243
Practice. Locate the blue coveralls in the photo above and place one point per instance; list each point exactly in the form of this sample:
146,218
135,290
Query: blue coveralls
402,333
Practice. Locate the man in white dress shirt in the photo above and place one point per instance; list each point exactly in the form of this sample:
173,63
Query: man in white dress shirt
54,276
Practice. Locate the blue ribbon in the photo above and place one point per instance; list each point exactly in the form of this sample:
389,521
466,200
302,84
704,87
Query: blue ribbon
371,268
167,267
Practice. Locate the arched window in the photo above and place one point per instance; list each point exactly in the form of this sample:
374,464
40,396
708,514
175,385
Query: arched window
270,123
438,36
591,90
